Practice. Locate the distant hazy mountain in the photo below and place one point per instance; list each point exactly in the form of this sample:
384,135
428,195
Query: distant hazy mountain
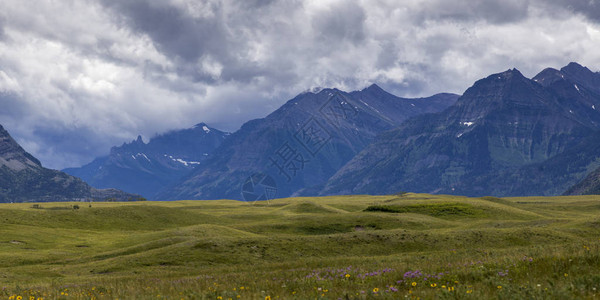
23,179
507,135
300,145
145,169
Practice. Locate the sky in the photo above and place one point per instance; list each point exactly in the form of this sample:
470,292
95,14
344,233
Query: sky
80,76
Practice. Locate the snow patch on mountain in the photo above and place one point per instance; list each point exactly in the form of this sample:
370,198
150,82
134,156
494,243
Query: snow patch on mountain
140,155
183,162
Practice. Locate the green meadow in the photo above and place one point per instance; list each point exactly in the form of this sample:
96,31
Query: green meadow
410,246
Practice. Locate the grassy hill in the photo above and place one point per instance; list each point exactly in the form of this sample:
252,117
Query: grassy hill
354,247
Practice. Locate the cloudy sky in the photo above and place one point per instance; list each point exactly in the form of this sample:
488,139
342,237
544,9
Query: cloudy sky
79,76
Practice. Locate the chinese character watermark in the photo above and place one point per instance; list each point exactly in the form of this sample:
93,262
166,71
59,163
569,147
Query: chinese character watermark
289,159
259,187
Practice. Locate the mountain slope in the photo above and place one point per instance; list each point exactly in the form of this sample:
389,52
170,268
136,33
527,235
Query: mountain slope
590,185
492,141
145,169
300,145
23,179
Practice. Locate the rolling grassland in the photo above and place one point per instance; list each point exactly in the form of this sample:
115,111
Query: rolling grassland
413,246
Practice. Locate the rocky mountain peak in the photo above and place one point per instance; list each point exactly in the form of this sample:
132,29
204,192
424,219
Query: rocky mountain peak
374,88
575,68
202,126
144,168
582,76
22,179
323,130
548,76
511,74
497,91
573,72
507,135
132,146
376,91
13,156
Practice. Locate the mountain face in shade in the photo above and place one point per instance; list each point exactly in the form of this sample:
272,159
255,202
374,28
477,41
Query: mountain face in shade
300,145
145,169
507,135
590,185
23,179
588,85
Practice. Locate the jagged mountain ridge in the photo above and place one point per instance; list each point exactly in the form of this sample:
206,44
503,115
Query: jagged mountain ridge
342,124
23,179
147,168
491,142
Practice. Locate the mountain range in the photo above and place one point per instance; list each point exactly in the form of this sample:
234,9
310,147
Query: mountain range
23,179
507,135
147,168
300,145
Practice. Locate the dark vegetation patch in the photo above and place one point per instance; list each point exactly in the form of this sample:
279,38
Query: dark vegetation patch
307,208
497,200
433,209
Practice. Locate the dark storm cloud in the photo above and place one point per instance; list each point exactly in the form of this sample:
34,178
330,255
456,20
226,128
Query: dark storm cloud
49,140
174,31
588,8
66,146
343,21
77,77
2,34
491,11
207,43
11,105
